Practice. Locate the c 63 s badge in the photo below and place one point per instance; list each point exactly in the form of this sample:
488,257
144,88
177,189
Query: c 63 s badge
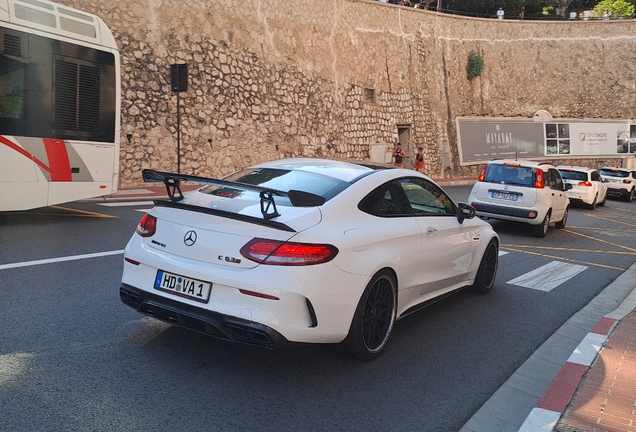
229,259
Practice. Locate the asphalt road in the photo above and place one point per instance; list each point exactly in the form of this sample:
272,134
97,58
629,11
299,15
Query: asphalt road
73,357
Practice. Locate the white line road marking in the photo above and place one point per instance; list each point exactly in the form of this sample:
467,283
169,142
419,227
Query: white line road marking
143,210
549,276
502,253
132,192
60,259
126,203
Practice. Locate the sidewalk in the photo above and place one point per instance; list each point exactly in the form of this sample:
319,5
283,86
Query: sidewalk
582,379
606,399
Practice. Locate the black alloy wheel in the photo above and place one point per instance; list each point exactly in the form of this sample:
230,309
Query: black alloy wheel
487,271
374,317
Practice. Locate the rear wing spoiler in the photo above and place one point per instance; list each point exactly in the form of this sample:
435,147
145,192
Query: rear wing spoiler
268,204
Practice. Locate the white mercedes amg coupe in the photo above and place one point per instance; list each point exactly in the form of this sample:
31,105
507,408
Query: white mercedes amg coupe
304,250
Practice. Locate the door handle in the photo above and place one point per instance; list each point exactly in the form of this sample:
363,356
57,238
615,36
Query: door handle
431,230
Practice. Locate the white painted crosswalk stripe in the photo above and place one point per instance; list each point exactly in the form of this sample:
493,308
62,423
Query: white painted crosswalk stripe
549,276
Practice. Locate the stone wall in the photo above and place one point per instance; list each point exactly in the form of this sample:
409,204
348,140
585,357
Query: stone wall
271,79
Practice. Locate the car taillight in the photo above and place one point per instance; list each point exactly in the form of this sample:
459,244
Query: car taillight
482,175
628,181
585,183
273,252
539,182
147,226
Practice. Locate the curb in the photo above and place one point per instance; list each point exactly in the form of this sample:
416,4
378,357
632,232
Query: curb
547,412
514,405
557,397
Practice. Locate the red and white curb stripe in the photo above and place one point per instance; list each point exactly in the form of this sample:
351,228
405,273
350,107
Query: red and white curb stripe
558,395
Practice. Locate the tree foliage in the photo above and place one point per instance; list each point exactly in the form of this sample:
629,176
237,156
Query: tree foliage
617,8
532,9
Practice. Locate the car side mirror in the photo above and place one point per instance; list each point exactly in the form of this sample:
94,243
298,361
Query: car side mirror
568,186
465,212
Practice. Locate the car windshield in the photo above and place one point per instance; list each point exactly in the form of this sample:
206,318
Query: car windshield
573,175
512,175
614,173
278,179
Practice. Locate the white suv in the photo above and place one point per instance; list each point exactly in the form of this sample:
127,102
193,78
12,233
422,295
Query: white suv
522,191
588,187
621,182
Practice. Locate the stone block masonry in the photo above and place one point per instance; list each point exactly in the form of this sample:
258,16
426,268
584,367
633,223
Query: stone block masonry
271,79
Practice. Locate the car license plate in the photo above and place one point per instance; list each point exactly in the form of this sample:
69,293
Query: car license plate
183,287
505,196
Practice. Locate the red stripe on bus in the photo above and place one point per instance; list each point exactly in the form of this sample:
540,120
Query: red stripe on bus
59,165
23,152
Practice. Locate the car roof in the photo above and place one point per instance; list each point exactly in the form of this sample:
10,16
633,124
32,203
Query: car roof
617,169
338,169
576,168
524,163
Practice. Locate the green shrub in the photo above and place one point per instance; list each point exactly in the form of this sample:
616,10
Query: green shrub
475,65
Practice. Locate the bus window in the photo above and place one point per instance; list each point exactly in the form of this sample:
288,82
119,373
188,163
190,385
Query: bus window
12,68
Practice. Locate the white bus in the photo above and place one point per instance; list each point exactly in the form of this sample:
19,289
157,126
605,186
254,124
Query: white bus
60,101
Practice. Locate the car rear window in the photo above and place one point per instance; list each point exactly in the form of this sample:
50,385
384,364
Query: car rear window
512,175
614,173
278,179
573,175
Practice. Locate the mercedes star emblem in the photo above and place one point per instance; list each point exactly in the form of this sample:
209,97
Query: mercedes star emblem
190,238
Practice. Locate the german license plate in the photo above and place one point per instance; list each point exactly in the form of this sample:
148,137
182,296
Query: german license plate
505,196
183,287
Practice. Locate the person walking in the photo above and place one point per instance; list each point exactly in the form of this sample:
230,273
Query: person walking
399,154
419,160
500,13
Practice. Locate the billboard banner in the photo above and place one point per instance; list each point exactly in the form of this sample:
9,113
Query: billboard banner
482,139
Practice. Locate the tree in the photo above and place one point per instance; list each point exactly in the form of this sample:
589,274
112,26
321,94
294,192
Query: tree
513,8
617,8
560,6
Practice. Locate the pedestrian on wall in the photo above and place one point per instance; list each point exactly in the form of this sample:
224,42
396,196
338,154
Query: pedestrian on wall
399,154
500,13
606,15
419,160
